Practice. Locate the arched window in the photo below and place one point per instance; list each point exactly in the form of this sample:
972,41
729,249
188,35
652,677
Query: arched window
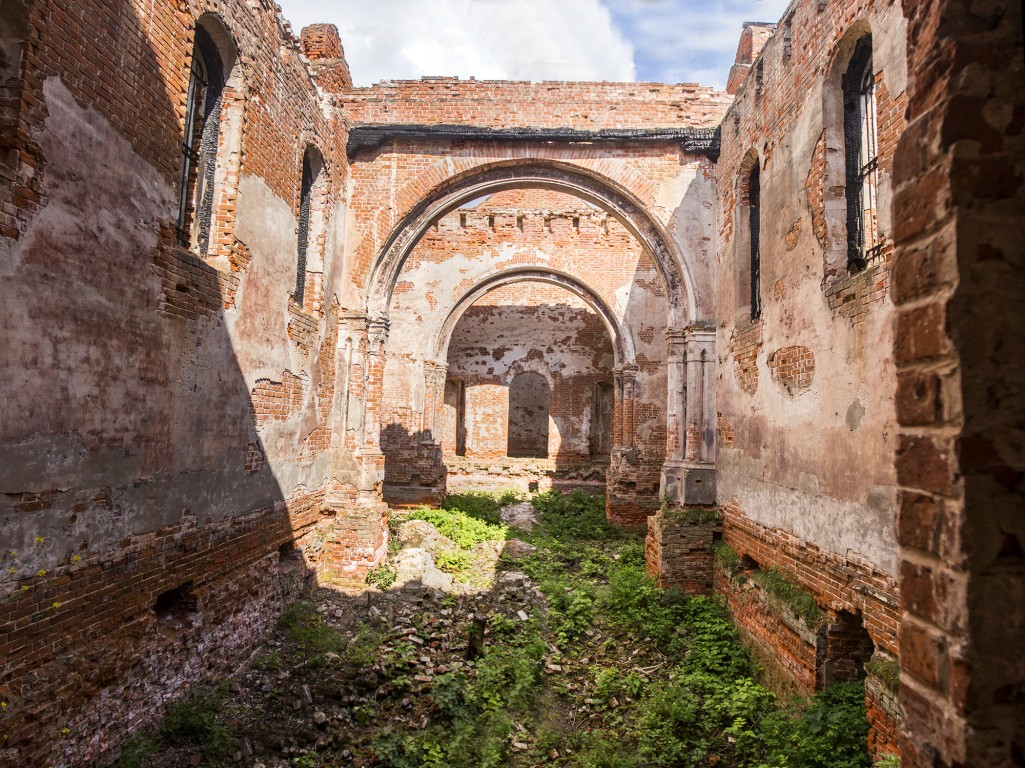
748,242
529,397
311,223
755,230
208,77
861,156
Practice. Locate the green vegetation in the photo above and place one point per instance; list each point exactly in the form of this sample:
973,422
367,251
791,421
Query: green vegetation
197,721
698,706
780,587
608,672
306,629
727,557
482,506
464,528
382,576
691,515
886,670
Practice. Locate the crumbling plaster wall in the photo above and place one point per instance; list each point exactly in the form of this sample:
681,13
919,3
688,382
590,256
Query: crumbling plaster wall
146,430
807,448
527,229
807,423
530,328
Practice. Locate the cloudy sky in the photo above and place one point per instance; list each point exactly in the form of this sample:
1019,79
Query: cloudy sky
670,41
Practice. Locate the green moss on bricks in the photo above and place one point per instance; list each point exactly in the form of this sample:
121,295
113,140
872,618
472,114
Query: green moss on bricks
886,670
727,557
690,516
779,586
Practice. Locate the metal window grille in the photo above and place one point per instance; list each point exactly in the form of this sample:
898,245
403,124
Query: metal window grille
862,159
200,144
197,88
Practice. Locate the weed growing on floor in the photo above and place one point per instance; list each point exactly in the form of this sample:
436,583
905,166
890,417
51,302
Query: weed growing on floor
609,672
462,528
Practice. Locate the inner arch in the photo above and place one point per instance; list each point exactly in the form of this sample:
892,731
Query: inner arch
621,339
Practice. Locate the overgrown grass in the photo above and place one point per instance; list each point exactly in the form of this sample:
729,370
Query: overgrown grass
313,636
704,707
481,505
463,528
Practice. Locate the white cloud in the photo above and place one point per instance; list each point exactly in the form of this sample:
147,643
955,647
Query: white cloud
487,39
688,40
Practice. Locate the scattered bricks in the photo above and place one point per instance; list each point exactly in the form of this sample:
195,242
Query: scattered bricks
678,548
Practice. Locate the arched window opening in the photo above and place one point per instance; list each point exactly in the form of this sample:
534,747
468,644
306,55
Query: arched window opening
602,419
861,156
748,262
312,232
529,397
202,137
755,230
848,648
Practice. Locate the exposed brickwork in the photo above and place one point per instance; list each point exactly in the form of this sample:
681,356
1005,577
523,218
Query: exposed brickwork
853,295
884,717
745,345
503,104
793,368
279,400
788,649
958,285
839,583
142,396
815,187
89,624
156,398
678,550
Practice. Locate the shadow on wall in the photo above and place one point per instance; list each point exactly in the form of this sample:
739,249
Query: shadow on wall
146,542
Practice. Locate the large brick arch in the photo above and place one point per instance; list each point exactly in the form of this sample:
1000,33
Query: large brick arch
622,343
457,189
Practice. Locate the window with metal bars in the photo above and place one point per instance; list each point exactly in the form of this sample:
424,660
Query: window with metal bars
200,143
861,158
754,195
305,206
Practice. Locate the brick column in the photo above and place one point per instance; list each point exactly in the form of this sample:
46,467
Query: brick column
435,374
359,537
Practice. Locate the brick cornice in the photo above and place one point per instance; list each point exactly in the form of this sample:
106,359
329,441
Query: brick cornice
702,141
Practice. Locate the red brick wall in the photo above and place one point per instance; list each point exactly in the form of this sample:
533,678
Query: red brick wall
135,458
957,283
806,420
503,104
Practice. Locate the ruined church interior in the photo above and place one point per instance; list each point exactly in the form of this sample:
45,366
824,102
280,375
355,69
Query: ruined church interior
260,324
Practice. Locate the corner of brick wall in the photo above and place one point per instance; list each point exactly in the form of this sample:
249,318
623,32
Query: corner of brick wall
678,549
